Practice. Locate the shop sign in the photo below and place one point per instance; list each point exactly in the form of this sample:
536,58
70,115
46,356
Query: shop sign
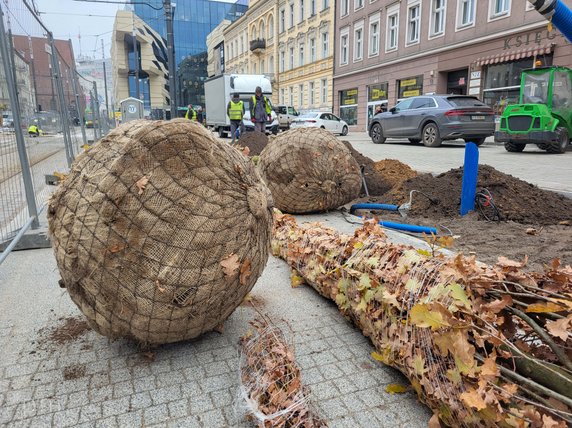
410,87
527,39
462,81
349,97
378,92
475,74
474,91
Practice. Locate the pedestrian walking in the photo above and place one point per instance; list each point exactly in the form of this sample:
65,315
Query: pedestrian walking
235,112
200,115
260,110
191,113
33,131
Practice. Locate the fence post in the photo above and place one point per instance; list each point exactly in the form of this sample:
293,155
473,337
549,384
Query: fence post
79,113
19,132
96,104
62,100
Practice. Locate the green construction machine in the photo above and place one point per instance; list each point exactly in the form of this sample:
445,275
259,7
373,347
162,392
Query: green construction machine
544,114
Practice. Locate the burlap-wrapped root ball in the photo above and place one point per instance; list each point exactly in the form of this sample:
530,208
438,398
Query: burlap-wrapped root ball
160,230
309,170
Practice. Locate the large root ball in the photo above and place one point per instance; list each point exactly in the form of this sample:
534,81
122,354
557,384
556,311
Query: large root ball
309,170
160,230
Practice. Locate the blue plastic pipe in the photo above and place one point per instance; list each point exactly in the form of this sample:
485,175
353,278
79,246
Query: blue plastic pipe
386,207
409,227
470,175
556,12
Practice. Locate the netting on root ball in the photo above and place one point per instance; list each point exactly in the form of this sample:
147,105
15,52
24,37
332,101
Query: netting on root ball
309,170
159,231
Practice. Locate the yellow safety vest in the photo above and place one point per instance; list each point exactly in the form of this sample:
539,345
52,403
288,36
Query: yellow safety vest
194,115
33,128
266,103
235,111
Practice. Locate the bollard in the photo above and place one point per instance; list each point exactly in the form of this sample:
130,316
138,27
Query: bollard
470,174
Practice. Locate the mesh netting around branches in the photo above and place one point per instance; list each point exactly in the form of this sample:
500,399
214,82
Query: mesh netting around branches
160,230
309,170
271,391
483,346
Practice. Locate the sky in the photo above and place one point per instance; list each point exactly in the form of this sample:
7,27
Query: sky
68,18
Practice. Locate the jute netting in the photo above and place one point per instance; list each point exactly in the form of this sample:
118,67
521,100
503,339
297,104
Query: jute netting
160,230
309,170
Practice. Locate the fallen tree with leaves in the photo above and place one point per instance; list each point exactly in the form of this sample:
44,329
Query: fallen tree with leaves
481,345
271,389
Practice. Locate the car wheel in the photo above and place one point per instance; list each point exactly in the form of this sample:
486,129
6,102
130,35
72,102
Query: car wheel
345,131
477,140
514,147
221,132
377,134
414,140
561,144
543,146
275,130
431,137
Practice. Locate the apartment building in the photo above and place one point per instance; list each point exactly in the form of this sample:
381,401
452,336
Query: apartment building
390,50
290,41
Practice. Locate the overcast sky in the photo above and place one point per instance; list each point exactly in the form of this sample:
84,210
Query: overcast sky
67,18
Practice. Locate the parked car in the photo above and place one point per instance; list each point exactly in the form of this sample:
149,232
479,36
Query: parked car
430,119
318,119
286,114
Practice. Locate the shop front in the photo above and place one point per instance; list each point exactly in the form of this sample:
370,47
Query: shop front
349,106
376,100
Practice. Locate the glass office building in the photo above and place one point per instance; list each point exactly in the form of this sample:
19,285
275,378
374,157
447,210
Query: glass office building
192,22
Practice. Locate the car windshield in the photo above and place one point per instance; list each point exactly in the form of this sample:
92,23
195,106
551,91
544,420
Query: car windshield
536,88
465,102
308,115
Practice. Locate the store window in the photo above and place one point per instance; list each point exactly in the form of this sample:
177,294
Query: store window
410,87
502,82
349,106
376,99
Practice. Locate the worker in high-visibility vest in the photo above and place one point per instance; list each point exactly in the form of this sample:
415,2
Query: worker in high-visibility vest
191,113
235,112
33,131
260,110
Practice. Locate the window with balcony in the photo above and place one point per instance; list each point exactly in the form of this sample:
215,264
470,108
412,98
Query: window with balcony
325,45
358,44
301,55
466,13
374,36
312,44
344,48
500,8
438,8
413,23
392,31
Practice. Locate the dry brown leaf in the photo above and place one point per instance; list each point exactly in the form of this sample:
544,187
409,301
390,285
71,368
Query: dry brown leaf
245,272
540,308
504,262
559,328
548,422
498,305
246,151
434,421
564,223
230,264
490,370
472,398
141,183
117,248
531,231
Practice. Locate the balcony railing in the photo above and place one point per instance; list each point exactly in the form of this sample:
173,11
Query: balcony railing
257,45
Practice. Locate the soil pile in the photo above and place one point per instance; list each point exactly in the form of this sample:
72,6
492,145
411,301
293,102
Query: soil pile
160,230
517,200
376,183
394,171
255,141
309,170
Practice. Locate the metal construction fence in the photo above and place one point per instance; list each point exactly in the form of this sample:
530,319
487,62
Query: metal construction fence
46,106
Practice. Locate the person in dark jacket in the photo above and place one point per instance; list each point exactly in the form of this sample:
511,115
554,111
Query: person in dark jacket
260,110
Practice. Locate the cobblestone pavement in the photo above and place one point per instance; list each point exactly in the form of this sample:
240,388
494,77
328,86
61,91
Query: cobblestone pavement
93,382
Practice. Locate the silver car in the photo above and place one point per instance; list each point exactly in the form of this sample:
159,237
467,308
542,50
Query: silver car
433,118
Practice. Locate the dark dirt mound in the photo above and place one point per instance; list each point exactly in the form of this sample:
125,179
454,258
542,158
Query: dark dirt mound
394,171
517,200
376,183
74,372
255,141
70,330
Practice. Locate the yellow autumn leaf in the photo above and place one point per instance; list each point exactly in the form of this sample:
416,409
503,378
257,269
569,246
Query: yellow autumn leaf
412,285
358,245
458,293
473,399
396,388
382,358
362,306
425,253
364,282
419,365
422,316
295,279
544,307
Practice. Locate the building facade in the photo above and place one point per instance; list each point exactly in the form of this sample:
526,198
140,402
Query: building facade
215,50
193,20
390,50
26,94
92,71
290,41
142,58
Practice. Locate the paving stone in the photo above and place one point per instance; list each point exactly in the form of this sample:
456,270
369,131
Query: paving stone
214,383
21,369
131,419
119,375
141,400
144,384
115,407
101,394
333,408
312,376
171,378
44,391
218,368
324,390
213,419
156,414
7,414
122,389
51,405
345,422
187,422
66,418
200,404
90,413
222,398
191,389
42,421
21,382
110,422
26,410
19,396
179,408
164,395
